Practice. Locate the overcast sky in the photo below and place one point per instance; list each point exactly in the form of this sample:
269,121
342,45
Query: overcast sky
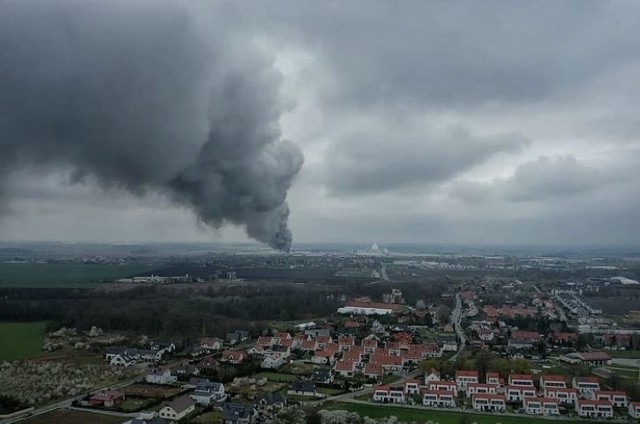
468,122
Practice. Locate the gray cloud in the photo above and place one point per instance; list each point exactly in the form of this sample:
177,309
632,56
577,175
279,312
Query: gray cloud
147,97
614,128
550,179
365,164
460,53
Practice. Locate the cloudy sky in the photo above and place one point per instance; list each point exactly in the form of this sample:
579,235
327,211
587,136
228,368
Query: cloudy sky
494,122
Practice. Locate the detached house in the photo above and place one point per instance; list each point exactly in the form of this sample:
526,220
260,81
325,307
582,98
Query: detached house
208,392
208,363
238,413
106,398
271,400
160,375
431,376
233,356
302,388
238,336
211,343
177,409
322,375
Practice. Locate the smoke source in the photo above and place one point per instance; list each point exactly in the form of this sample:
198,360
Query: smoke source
147,96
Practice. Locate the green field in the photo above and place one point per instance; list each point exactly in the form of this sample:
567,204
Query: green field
64,275
441,417
20,340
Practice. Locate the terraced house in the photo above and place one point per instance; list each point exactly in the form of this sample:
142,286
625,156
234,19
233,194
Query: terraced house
464,377
588,408
586,386
438,398
389,394
541,406
518,393
488,403
565,396
617,398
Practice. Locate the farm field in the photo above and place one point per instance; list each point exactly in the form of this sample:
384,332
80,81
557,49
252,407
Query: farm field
20,340
64,275
442,417
66,416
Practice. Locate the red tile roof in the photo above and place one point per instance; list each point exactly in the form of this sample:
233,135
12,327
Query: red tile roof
465,373
593,356
553,377
525,336
373,369
345,366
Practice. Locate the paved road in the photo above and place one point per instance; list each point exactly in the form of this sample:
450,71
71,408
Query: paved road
456,318
348,396
426,409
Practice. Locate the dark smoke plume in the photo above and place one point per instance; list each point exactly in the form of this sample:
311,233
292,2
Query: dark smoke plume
147,96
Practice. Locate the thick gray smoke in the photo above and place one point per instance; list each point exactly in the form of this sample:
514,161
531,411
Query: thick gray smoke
147,96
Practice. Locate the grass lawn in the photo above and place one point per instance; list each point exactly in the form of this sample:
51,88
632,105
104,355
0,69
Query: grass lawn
442,417
329,391
388,379
274,376
21,340
134,405
64,275
208,418
631,354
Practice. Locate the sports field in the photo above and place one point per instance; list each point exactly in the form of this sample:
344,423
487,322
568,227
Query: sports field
442,417
21,340
64,275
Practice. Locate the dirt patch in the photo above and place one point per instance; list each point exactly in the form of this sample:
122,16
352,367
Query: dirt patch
151,391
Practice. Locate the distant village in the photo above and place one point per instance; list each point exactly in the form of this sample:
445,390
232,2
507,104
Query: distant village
374,352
